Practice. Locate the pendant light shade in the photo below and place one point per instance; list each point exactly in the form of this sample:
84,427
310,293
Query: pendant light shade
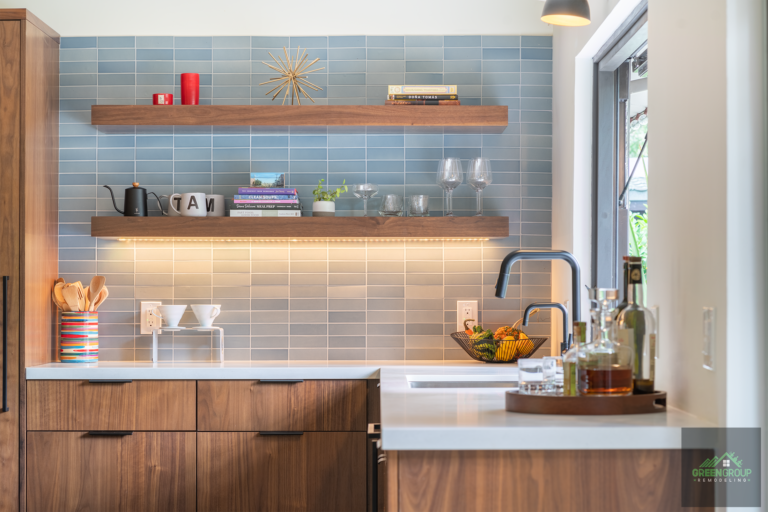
567,13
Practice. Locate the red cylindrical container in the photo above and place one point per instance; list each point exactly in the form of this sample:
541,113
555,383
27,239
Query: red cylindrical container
190,89
162,99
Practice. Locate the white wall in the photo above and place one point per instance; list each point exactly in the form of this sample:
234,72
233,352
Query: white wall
299,17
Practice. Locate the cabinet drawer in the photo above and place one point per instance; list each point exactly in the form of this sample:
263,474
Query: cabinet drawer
247,471
137,405
146,471
253,405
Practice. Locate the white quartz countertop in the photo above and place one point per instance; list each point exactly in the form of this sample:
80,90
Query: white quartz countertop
427,418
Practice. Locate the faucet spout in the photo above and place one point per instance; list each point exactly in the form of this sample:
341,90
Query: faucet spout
544,255
566,343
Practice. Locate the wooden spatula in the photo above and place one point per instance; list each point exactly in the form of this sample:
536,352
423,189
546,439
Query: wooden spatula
97,283
72,297
58,293
103,294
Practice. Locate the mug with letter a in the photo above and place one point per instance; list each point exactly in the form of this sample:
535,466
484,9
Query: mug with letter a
214,205
79,338
192,204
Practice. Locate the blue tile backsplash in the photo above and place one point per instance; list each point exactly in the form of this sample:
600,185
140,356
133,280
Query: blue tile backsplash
305,300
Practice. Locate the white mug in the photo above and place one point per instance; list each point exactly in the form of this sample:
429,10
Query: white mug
172,212
206,313
171,314
214,205
192,204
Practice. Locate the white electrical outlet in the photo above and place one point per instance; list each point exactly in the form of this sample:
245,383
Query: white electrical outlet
148,320
466,309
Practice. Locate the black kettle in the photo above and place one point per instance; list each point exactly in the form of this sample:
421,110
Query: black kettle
135,201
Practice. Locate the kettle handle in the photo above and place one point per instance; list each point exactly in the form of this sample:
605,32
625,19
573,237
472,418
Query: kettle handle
159,204
113,199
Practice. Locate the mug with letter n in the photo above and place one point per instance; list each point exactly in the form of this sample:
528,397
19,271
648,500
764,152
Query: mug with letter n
192,204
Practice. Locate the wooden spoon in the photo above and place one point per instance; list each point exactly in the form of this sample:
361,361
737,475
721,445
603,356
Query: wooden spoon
72,297
87,300
103,294
58,293
97,283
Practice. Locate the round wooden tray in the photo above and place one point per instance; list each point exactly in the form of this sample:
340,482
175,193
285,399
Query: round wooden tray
587,405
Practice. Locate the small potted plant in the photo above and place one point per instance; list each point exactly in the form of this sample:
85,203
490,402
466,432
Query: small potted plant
325,202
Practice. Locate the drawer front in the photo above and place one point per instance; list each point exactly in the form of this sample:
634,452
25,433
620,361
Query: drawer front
77,471
252,405
137,405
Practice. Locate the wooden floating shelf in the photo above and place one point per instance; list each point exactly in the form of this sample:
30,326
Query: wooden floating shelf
304,228
492,119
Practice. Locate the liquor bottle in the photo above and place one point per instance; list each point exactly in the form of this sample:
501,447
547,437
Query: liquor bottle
633,274
637,327
605,365
571,359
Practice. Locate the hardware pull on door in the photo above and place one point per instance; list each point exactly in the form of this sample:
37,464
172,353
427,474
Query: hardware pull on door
5,344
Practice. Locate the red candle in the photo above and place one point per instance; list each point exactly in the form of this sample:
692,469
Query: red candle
190,89
162,99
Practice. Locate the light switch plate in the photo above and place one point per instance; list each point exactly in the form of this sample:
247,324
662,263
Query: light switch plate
466,309
148,320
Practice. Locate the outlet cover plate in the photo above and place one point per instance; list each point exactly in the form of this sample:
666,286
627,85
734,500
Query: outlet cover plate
466,309
148,320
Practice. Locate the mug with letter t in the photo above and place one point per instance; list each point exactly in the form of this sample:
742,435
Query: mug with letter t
192,204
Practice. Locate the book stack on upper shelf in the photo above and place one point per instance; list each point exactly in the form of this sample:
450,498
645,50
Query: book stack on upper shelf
422,95
266,196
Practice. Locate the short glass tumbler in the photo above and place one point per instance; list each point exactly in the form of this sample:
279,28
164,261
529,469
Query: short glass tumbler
553,375
419,206
530,376
391,206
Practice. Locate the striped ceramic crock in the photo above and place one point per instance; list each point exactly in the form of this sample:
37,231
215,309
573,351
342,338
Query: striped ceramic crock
79,340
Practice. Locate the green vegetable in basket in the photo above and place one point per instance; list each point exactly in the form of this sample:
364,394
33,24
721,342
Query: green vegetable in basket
485,349
477,328
482,335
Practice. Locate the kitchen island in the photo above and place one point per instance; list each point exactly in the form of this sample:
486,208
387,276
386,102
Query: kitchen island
445,448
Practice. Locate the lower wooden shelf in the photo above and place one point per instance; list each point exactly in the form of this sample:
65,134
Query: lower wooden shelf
303,228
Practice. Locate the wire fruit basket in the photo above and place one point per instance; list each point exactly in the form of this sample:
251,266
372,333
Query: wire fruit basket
470,347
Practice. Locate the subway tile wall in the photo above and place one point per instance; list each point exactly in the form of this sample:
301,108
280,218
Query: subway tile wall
305,300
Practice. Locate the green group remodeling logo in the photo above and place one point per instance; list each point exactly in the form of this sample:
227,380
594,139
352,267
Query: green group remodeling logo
709,468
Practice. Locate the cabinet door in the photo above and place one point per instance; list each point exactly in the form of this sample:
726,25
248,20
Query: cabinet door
145,471
247,471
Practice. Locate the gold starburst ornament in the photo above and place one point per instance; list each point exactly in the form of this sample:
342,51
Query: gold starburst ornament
293,76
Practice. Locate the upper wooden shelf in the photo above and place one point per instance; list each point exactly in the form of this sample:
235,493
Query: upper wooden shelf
303,228
493,117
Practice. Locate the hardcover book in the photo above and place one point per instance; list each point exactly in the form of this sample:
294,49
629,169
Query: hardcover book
260,190
266,201
265,206
264,213
264,196
422,96
423,89
422,102
267,180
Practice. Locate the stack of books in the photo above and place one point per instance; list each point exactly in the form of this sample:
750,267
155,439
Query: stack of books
422,95
266,196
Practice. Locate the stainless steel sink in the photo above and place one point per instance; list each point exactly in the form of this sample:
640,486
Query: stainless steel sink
462,384
462,381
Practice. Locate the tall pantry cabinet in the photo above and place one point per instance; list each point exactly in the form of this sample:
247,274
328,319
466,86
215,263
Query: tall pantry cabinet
29,147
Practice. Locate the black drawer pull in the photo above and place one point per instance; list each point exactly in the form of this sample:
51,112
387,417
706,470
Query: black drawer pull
281,433
110,381
110,433
5,344
280,381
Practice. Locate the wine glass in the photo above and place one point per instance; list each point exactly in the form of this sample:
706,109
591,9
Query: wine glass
479,177
365,191
449,176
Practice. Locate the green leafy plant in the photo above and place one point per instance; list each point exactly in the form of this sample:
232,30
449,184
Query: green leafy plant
324,195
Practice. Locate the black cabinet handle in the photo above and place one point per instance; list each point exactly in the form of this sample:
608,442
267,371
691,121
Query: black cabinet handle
5,344
280,433
109,381
110,433
374,476
280,381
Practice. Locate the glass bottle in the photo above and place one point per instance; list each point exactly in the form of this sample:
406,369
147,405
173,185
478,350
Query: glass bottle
571,359
605,366
633,274
637,327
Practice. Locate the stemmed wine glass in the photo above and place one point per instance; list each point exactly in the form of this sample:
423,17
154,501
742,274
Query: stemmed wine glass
479,177
449,176
365,191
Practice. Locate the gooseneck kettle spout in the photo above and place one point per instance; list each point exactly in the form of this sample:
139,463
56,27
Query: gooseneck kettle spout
113,200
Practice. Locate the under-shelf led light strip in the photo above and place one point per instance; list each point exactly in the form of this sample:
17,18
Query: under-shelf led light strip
131,239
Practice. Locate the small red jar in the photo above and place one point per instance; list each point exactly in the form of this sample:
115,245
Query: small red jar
190,89
162,99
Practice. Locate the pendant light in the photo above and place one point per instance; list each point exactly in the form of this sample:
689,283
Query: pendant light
566,13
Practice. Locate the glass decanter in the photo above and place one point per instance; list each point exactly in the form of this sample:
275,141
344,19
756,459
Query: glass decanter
605,366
